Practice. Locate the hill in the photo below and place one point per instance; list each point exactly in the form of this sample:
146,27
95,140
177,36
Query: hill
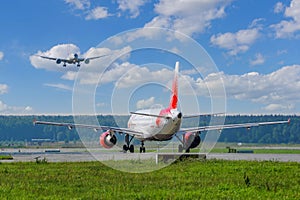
20,128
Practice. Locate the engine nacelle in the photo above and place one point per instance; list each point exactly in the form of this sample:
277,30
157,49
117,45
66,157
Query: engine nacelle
192,140
87,61
58,61
108,140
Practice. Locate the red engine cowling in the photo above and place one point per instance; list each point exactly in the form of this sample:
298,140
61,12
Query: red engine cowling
192,140
108,140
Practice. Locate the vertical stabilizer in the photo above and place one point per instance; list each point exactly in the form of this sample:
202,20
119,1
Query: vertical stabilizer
174,96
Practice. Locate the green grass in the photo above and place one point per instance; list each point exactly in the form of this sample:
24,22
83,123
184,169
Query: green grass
278,151
211,179
260,151
6,157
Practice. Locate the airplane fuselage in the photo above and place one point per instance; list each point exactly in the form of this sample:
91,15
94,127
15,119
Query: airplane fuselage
74,60
156,128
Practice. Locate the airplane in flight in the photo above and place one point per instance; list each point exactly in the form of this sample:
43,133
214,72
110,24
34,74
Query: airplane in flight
158,125
75,59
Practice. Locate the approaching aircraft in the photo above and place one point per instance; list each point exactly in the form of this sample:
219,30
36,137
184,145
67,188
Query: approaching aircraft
157,125
73,60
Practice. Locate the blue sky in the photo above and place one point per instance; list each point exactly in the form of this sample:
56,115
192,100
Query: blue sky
254,45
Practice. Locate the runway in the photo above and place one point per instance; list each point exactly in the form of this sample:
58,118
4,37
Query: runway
82,155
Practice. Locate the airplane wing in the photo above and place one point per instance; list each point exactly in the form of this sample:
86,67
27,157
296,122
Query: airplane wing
51,58
202,115
95,128
91,58
228,126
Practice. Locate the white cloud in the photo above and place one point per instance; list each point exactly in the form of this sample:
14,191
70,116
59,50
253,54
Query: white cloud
279,7
1,55
258,60
3,106
97,13
145,103
58,51
132,6
281,52
3,88
88,11
141,75
59,86
278,107
79,4
28,108
124,75
279,87
101,104
236,43
68,50
101,68
188,17
6,109
288,28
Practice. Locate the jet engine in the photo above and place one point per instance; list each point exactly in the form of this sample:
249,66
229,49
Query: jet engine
87,61
108,139
58,61
192,140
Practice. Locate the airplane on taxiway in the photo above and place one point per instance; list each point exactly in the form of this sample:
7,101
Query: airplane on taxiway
75,59
158,125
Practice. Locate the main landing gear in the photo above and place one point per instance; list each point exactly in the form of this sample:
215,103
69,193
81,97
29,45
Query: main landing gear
142,148
181,148
127,146
189,141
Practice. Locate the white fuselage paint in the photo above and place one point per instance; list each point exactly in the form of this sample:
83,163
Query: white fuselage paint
155,128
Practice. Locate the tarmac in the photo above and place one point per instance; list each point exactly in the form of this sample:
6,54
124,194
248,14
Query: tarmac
83,155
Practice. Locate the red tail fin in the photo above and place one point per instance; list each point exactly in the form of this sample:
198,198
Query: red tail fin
174,96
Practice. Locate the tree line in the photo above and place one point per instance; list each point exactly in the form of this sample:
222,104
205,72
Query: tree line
21,128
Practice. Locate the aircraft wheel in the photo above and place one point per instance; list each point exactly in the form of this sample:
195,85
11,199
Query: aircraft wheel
180,148
131,149
142,149
125,148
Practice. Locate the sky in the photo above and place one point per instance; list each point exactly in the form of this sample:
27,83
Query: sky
247,58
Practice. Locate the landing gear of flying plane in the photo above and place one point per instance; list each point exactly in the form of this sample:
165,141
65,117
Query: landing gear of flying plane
127,146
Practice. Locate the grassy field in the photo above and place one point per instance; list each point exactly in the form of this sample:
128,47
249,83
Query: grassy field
210,179
261,151
6,157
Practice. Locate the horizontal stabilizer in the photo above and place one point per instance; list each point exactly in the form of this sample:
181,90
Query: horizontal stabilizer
150,115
